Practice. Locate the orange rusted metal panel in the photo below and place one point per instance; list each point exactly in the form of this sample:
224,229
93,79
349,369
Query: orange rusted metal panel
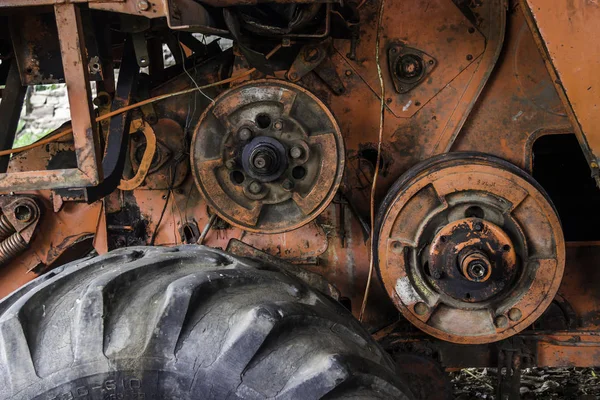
567,34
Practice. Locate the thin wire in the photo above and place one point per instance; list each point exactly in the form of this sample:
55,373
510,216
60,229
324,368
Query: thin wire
376,174
133,106
183,57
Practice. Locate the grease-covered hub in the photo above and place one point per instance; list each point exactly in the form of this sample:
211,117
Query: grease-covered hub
472,259
268,156
469,248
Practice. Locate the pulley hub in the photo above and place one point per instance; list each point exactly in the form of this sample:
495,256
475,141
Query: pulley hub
268,156
469,247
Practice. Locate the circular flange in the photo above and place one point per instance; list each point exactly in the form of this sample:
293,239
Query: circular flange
268,156
464,241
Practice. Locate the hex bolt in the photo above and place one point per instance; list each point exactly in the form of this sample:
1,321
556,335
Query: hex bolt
287,184
421,308
278,125
501,321
143,5
254,187
296,152
245,134
515,314
230,164
478,226
437,275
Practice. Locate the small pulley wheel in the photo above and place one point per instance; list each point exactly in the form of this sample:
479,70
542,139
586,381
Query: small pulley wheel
268,156
470,248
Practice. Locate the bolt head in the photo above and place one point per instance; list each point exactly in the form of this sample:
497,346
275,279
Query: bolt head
437,275
245,134
296,152
278,125
143,5
293,76
421,308
478,226
501,321
287,184
255,187
230,164
515,314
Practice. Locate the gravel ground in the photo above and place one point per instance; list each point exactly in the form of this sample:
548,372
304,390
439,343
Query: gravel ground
536,383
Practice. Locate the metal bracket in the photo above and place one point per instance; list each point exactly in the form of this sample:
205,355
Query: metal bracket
408,66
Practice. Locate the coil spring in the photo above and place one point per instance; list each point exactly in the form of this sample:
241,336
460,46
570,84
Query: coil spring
6,228
11,247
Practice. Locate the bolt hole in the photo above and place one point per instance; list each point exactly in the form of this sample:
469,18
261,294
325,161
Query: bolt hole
29,70
237,177
23,213
263,121
468,296
474,212
298,172
418,103
506,247
443,239
190,233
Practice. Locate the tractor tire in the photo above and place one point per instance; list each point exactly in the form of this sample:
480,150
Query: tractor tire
185,322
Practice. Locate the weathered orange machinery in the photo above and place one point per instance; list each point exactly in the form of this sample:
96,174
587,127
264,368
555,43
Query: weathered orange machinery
488,138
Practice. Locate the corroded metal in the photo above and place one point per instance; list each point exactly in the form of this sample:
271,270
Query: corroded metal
267,156
453,220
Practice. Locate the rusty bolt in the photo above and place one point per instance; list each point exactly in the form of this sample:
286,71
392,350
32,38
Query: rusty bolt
278,125
143,5
293,76
254,187
478,226
515,314
287,184
348,72
296,152
501,321
421,308
245,134
311,54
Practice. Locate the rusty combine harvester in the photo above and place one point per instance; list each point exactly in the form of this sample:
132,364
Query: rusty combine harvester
429,165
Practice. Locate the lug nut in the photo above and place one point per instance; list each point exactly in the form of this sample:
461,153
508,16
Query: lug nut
287,184
501,321
245,134
254,187
296,152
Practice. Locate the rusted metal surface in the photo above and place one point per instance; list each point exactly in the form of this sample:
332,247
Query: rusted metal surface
18,222
88,171
265,150
566,34
10,111
452,221
479,252
436,28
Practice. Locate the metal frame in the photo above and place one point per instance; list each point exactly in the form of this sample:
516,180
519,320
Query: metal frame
88,171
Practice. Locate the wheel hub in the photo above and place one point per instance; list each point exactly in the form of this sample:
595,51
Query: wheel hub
268,156
469,248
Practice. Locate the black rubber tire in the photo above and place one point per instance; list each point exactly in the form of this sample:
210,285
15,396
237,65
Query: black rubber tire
184,322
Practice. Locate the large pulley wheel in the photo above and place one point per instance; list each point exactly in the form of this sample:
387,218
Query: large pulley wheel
268,156
469,248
